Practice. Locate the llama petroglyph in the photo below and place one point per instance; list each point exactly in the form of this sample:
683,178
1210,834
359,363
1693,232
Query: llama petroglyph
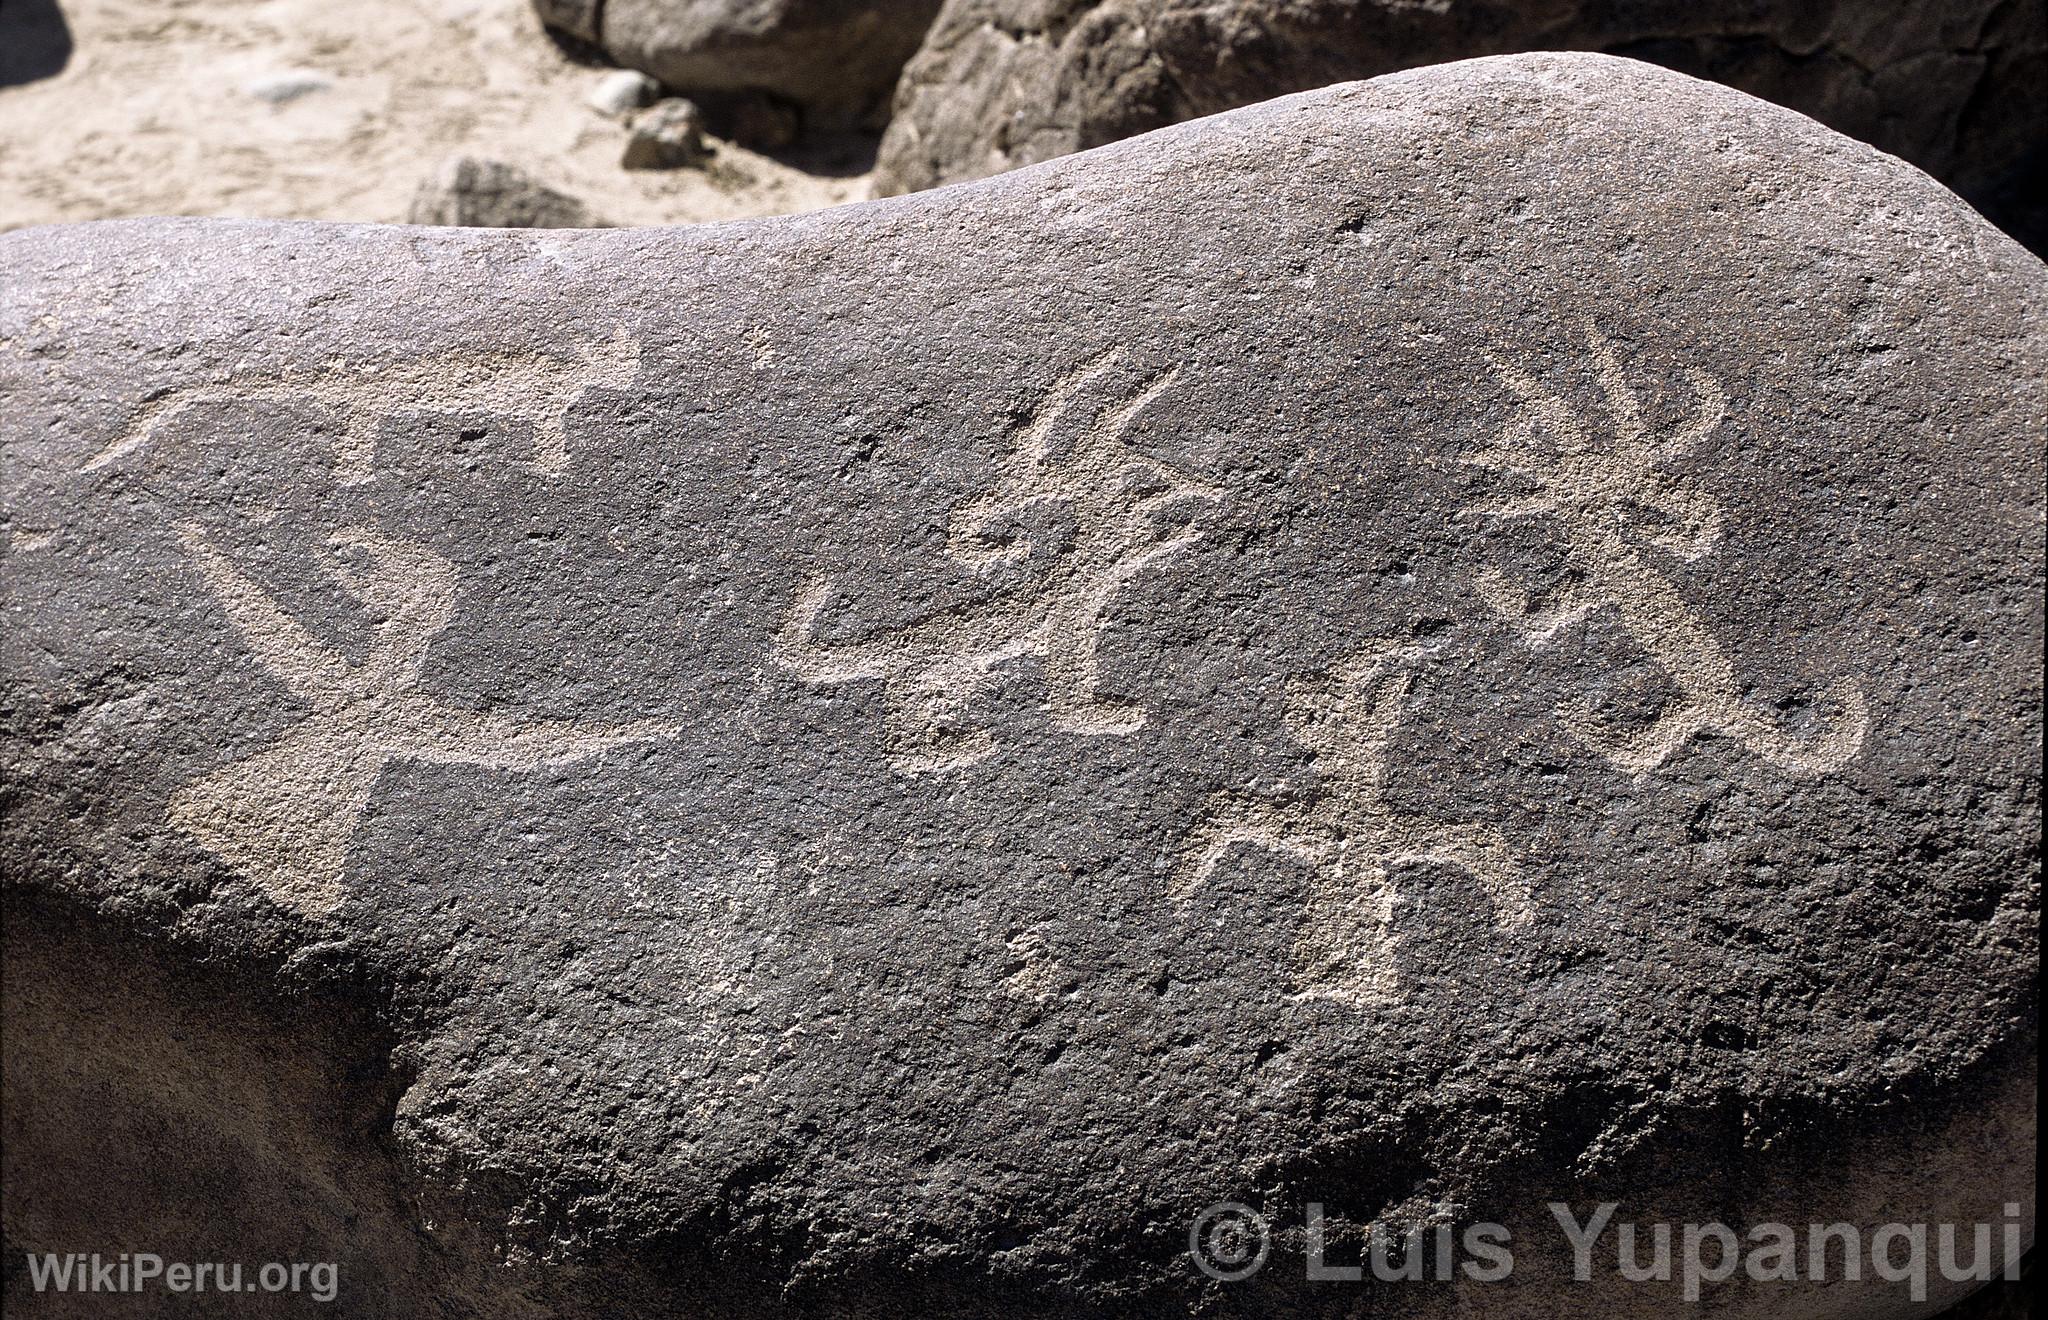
535,387
1598,491
284,817
1346,831
1128,512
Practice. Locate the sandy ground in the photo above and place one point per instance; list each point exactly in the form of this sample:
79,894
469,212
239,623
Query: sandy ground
158,111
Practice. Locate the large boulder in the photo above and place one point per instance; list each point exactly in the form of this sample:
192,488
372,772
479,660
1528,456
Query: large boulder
1394,657
1959,89
837,60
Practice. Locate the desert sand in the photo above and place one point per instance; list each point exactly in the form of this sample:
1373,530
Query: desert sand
311,109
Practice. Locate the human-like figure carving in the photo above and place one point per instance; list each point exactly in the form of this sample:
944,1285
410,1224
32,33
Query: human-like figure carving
1346,831
1617,507
284,816
1126,511
530,385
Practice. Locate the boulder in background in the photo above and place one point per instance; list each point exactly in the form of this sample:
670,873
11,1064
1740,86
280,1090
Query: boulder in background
835,60
1959,89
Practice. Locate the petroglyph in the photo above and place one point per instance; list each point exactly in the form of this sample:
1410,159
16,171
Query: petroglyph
1350,836
1598,491
284,817
1127,512
531,386
1032,969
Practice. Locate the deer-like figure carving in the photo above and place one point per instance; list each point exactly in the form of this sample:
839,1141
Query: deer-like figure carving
538,387
1127,511
1598,482
1346,831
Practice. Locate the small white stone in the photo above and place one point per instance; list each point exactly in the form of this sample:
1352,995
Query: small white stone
287,85
623,91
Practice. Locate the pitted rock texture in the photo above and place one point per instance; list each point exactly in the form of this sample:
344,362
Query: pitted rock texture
1957,89
837,60
1426,647
2003,1299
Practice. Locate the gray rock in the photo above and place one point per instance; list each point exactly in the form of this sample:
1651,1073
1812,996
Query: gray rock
35,42
489,194
623,91
1428,647
1959,89
837,60
576,18
666,135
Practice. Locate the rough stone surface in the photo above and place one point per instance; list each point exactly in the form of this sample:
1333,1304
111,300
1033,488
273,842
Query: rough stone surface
1423,647
489,194
2014,1299
1959,89
835,59
666,135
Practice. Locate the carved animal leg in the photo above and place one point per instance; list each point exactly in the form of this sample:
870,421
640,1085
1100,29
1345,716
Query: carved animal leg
1644,751
284,817
930,719
1256,826
551,442
798,650
1823,752
1346,950
1480,852
1538,623
420,728
1695,527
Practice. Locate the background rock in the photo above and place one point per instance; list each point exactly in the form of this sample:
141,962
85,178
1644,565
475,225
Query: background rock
1960,90
837,60
577,18
666,135
493,195
1428,647
35,41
